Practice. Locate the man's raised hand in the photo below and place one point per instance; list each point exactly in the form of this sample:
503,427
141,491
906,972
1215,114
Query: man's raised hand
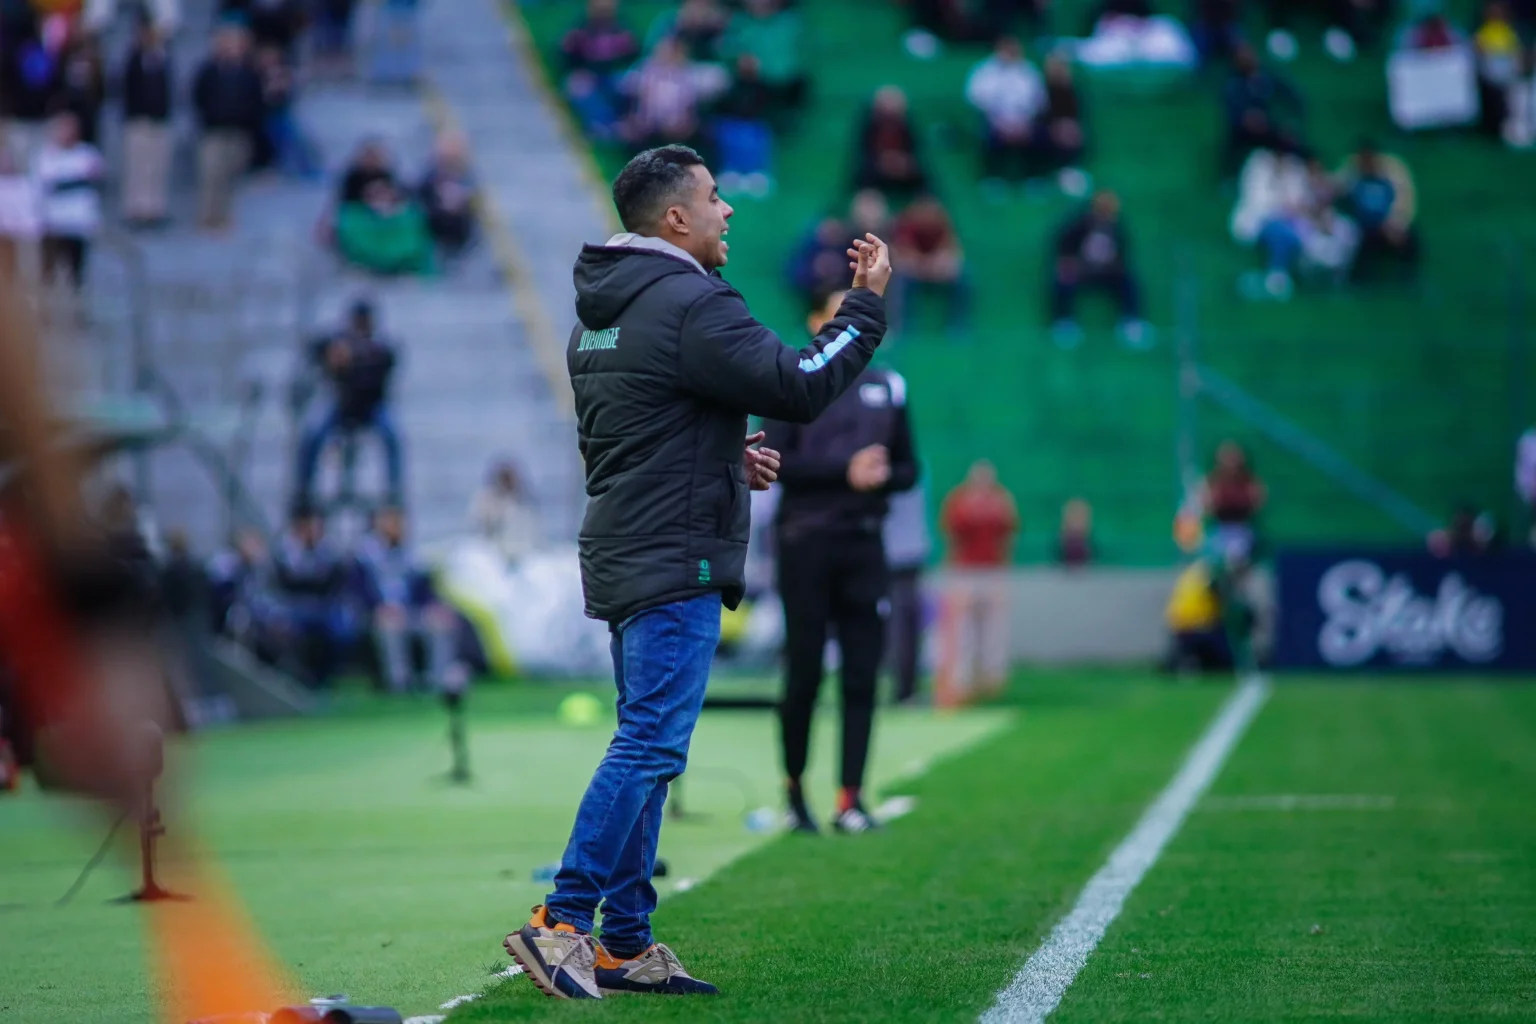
870,261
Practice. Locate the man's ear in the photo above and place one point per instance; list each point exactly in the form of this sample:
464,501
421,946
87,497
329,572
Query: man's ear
676,218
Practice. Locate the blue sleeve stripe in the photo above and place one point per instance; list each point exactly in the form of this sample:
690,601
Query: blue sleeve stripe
821,358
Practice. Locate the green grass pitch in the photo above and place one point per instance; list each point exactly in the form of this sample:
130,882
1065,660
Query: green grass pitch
1369,851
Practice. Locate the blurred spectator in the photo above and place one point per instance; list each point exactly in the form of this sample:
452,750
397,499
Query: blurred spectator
1216,28
596,53
396,43
148,93
928,257
698,24
1525,478
1232,496
819,265
1257,106
360,365
1469,532
961,21
403,607
332,35
387,232
1091,252
1378,193
31,74
907,547
447,192
69,172
312,622
887,156
870,214
1063,138
1287,209
1352,24
775,36
283,142
503,515
743,132
228,97
272,23
371,162
1010,95
83,88
1499,65
667,92
1074,540
240,600
20,211
1432,31
979,521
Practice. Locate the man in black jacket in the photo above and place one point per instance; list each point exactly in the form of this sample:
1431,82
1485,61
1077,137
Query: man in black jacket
835,475
147,91
228,95
667,364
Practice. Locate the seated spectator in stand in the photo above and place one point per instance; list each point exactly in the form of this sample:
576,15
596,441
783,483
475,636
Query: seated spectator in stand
386,233
961,21
360,365
1294,224
1063,135
1216,28
596,54
1352,25
272,23
281,143
228,97
1469,532
1377,192
928,257
776,37
870,214
69,172
1500,63
1074,540
1232,496
743,132
21,221
148,94
31,77
404,609
83,88
667,92
312,623
887,154
371,162
819,265
502,514
1009,93
1257,106
448,193
1091,252
698,24
240,598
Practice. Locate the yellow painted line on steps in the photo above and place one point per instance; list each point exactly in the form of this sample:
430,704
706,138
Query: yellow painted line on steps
527,303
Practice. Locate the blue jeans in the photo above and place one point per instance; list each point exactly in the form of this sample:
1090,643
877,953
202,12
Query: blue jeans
661,660
381,424
1281,244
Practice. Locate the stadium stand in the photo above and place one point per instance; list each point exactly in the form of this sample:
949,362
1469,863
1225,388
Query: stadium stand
1427,378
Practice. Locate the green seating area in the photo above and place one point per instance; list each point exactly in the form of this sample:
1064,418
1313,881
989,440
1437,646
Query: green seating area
1423,385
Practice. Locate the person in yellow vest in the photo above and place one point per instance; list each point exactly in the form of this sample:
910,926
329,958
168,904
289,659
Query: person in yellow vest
1194,617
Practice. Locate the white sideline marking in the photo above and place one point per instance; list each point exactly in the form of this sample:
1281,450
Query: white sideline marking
894,808
1038,987
458,1001
1301,802
429,1019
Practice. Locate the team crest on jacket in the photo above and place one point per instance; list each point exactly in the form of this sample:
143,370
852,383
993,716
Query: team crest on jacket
876,396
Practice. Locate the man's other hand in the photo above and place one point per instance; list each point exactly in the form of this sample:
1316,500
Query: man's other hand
870,468
762,463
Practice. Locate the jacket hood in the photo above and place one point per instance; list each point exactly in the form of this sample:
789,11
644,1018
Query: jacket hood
609,276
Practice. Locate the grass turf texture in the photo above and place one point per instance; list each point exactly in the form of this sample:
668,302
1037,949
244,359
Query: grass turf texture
366,871
1426,909
1434,368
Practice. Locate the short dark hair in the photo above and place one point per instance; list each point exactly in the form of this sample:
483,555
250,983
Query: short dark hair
651,182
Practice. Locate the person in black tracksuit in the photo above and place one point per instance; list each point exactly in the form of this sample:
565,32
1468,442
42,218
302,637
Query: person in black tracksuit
835,475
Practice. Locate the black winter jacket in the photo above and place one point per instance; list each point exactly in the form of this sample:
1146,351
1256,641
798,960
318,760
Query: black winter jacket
816,496
667,364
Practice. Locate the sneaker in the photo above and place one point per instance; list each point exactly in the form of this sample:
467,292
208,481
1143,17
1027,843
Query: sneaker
558,958
656,971
855,819
798,818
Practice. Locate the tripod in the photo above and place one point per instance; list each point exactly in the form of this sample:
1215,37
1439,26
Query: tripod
151,828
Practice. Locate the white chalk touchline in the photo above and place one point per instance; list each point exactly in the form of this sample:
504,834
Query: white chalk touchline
1038,987
1301,802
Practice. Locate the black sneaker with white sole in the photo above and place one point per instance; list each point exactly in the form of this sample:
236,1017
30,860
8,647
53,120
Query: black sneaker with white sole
855,819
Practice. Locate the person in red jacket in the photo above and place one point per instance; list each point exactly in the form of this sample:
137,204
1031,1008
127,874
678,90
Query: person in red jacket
979,521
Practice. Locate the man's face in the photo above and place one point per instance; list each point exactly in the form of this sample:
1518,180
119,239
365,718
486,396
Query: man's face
1106,207
391,526
708,221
